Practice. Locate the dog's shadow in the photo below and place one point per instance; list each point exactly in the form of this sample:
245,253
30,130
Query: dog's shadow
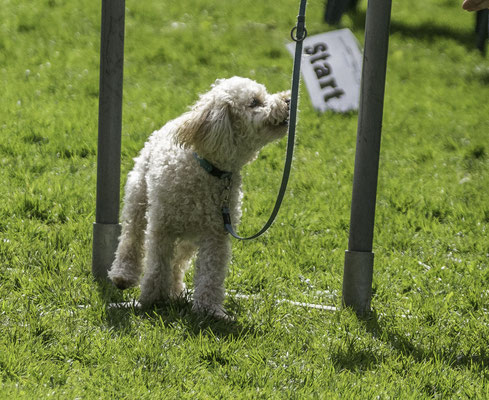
120,315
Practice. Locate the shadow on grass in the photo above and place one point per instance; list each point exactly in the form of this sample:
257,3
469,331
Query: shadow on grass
404,346
179,313
352,358
355,360
428,31
108,292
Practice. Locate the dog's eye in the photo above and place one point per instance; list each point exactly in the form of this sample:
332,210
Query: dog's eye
255,103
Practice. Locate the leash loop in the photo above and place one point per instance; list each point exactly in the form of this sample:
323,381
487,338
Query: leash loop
301,20
294,37
298,34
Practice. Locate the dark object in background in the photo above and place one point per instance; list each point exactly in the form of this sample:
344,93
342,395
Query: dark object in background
336,8
482,29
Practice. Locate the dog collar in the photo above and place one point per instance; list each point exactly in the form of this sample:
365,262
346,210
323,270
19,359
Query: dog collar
212,169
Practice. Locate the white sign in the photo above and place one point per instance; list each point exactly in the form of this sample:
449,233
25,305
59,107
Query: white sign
332,69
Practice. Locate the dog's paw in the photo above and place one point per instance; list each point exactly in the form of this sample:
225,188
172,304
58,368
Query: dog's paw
178,292
152,298
122,280
212,310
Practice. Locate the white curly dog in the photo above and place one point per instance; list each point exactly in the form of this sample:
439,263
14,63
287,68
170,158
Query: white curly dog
174,194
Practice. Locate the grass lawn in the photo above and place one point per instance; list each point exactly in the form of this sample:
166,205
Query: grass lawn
429,333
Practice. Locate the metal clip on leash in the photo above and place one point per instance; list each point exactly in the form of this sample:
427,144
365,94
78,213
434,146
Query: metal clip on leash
298,34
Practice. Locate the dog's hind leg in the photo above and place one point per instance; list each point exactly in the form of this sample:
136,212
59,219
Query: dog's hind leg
127,266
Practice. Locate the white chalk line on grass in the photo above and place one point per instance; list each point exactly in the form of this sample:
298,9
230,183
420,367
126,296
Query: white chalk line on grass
136,304
287,301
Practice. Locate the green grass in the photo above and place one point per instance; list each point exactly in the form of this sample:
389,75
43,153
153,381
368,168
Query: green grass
429,333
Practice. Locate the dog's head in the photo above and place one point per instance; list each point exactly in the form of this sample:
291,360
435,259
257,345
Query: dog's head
230,123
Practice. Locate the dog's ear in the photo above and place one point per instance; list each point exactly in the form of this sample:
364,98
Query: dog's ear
207,127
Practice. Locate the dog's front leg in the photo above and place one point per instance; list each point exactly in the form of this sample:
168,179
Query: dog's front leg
211,269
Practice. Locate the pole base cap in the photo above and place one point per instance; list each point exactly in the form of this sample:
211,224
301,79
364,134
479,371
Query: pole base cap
357,281
105,241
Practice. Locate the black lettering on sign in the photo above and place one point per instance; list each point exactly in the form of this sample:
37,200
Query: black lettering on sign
322,70
322,56
328,83
319,51
317,47
336,93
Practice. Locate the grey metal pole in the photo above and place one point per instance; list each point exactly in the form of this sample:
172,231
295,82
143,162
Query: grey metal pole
106,229
359,258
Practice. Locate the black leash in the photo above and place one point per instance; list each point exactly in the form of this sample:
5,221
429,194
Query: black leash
298,34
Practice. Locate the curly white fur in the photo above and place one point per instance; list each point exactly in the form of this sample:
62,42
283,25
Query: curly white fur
172,205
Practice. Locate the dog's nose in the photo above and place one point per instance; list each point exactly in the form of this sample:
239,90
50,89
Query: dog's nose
287,101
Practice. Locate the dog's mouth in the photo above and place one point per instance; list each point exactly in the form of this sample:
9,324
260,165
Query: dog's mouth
279,123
